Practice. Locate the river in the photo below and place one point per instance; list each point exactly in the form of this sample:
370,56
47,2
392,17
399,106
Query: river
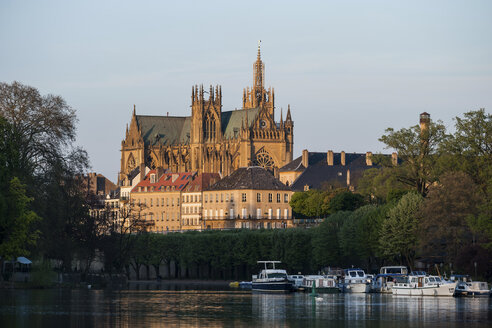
213,307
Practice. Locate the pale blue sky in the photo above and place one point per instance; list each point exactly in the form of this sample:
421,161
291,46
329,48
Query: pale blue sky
349,69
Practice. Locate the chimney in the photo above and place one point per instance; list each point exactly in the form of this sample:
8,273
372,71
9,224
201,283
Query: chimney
305,158
369,158
424,121
342,158
394,159
348,178
329,157
142,171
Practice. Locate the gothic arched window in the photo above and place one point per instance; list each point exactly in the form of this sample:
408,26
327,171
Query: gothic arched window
209,128
130,164
151,162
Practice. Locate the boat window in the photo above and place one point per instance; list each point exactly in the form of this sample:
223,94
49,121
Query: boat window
393,270
413,280
277,275
431,279
360,273
352,274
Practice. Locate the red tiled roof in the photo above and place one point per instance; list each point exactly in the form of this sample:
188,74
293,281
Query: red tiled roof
202,182
176,180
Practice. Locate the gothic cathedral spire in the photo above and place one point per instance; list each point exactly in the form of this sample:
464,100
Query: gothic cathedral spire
258,77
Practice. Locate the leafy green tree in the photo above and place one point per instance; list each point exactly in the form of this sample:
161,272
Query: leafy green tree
469,150
419,151
45,125
17,233
445,212
379,185
399,232
346,201
326,241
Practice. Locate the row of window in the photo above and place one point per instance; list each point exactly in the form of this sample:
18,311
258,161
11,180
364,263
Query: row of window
161,216
155,202
221,197
270,198
161,188
191,209
191,221
192,198
219,214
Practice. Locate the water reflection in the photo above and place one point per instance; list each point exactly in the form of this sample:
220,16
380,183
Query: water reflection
189,308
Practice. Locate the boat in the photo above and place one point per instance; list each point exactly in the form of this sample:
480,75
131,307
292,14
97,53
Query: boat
271,279
419,284
322,284
467,287
296,280
355,281
245,284
384,281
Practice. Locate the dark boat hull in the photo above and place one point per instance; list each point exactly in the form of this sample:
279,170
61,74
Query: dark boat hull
484,293
272,287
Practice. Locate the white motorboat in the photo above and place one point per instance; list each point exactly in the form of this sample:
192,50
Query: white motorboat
296,280
384,281
422,285
467,287
355,281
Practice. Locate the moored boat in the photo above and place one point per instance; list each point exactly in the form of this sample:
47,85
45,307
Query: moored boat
419,284
467,287
355,281
271,279
384,281
322,284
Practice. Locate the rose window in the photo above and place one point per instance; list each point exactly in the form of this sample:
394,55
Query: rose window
264,160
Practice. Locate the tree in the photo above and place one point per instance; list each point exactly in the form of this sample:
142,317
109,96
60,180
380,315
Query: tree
345,201
445,213
470,150
471,147
419,151
118,241
16,222
326,241
36,143
45,124
399,230
379,185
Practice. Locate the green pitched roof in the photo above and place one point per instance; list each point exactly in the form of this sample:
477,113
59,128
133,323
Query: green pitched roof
173,130
164,130
233,119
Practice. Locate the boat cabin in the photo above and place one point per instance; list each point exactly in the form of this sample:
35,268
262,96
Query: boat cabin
397,269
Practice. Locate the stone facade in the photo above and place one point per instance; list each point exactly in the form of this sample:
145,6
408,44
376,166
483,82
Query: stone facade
158,196
212,140
250,198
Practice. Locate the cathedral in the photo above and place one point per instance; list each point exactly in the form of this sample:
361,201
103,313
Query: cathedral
212,140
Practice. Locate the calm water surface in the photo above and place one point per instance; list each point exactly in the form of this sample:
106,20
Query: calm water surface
233,308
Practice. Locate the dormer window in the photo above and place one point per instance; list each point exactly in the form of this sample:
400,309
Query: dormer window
152,178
